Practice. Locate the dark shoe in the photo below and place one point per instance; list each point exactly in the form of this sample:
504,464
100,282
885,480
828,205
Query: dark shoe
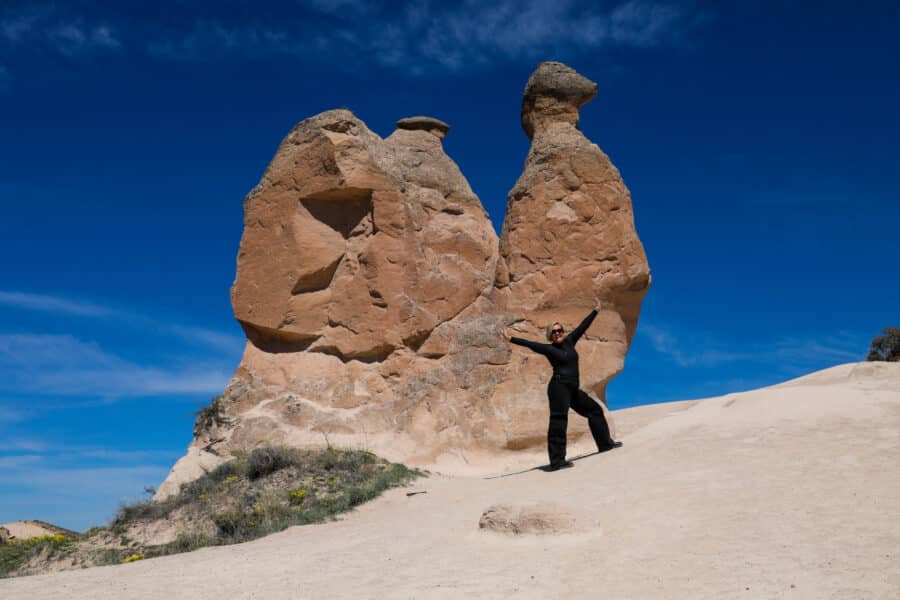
557,466
608,448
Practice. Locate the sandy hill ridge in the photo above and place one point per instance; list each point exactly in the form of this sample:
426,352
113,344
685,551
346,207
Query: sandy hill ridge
784,492
24,530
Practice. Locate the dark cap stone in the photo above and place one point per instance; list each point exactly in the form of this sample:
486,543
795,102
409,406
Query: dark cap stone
559,81
424,123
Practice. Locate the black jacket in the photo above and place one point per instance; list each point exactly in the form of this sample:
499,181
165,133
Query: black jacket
562,356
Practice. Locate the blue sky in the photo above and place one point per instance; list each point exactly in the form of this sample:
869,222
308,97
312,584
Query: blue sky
760,141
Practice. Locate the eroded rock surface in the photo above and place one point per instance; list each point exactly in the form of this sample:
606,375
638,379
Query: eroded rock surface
370,284
569,241
358,247
534,519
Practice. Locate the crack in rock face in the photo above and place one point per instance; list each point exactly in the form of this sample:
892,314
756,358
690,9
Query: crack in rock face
370,284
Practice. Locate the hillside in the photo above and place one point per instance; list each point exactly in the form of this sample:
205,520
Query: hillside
784,492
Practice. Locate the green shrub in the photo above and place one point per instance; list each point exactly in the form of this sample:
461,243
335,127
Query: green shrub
297,496
210,415
144,510
253,495
232,524
886,346
16,554
186,542
265,461
106,556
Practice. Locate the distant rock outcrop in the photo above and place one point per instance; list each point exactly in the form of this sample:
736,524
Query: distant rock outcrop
370,284
25,530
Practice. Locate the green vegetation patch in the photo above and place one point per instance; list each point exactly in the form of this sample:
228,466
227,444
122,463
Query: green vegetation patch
211,415
258,493
886,347
265,491
15,554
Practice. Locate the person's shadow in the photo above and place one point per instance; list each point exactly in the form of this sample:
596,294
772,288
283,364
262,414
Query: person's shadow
547,466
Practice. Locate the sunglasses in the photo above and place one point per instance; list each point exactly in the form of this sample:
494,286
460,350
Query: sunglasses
557,331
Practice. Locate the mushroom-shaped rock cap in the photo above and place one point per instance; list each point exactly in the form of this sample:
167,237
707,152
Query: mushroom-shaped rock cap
552,84
424,123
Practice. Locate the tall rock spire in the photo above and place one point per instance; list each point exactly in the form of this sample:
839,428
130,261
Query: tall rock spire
569,241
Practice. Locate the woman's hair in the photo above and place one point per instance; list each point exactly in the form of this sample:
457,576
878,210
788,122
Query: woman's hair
550,328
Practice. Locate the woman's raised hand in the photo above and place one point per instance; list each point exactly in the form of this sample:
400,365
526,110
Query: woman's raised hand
501,331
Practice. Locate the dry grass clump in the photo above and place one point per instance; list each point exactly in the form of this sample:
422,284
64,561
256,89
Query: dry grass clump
211,415
265,491
258,493
15,553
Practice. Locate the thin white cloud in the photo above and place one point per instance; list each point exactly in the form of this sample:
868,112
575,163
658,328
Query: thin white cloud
417,35
75,498
39,351
704,350
23,445
212,39
208,337
167,456
54,304
71,485
835,347
76,38
17,27
641,23
40,449
92,481
19,461
338,7
127,381
60,305
476,33
54,28
689,353
12,415
66,366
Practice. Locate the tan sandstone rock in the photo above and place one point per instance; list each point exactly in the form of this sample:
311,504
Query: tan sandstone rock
371,284
569,241
534,519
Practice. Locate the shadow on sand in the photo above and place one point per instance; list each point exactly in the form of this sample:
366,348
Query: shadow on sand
547,466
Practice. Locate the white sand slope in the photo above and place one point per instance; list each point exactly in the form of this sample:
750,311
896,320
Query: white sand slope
791,491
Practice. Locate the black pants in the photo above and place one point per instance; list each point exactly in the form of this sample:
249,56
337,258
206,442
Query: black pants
564,395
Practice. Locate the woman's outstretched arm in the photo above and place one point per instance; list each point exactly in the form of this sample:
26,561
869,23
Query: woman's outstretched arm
579,331
535,346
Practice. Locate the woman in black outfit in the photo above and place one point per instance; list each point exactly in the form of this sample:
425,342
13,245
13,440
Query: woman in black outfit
564,392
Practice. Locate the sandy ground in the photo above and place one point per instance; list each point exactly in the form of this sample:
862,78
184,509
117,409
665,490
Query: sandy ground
790,492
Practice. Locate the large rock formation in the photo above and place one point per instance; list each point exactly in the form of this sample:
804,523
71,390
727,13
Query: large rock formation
371,285
568,240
